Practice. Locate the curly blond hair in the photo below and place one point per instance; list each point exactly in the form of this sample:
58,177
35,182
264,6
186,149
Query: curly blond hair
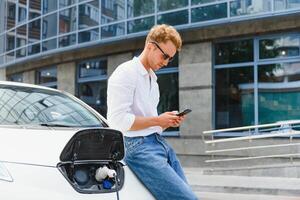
163,33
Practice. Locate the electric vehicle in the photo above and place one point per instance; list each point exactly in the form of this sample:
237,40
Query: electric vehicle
52,146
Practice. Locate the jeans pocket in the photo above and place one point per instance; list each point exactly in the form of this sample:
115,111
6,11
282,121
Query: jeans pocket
133,143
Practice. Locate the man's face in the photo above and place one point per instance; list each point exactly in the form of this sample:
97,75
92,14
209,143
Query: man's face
161,54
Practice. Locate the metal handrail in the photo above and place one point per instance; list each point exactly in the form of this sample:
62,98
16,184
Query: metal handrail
283,129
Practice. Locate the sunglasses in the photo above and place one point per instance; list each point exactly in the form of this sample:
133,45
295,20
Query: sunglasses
165,56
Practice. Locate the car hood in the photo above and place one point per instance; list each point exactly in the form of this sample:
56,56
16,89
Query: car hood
51,146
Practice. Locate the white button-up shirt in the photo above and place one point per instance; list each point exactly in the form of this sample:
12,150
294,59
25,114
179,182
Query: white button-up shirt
131,92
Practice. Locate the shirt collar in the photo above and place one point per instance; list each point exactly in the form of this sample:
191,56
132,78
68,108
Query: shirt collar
143,71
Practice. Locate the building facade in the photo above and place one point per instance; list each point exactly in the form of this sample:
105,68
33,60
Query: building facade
239,64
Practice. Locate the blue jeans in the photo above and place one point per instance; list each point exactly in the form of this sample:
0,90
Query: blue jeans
155,163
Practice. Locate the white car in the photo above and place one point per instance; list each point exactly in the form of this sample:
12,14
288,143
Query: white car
54,146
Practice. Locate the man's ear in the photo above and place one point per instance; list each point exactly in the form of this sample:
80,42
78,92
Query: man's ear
149,45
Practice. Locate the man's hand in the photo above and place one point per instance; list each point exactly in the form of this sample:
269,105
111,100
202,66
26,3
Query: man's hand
170,119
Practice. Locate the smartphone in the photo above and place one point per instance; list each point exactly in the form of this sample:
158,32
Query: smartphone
186,111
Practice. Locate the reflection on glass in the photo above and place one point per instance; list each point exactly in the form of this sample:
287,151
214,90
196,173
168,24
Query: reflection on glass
34,8
11,15
1,59
34,49
286,4
246,7
49,44
46,75
89,14
64,3
279,47
113,30
196,2
94,94
87,36
171,4
16,77
2,44
67,40
234,52
137,8
34,31
211,12
21,36
138,25
234,97
10,56
112,10
169,99
67,20
21,53
22,13
278,92
49,5
49,26
89,68
10,40
175,18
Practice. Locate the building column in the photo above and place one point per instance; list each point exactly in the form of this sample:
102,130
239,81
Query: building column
114,61
2,74
195,92
66,77
29,77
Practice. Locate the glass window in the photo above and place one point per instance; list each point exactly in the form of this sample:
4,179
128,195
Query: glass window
89,14
2,44
46,75
21,52
112,10
94,94
175,18
139,25
11,15
278,92
34,8
67,20
171,4
137,8
113,30
16,77
211,12
196,2
22,13
1,60
21,36
49,44
10,40
34,31
49,6
34,49
234,52
286,4
87,36
89,68
234,97
67,40
92,83
50,26
10,56
64,3
246,7
279,47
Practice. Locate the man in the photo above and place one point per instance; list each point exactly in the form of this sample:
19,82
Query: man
132,99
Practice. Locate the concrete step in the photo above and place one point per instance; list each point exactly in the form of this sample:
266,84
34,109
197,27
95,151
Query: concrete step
239,187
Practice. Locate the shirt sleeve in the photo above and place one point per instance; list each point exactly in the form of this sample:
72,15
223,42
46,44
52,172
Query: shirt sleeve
120,92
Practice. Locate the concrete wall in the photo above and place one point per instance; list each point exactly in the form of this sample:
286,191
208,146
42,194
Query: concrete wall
2,74
29,77
66,77
113,61
195,92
